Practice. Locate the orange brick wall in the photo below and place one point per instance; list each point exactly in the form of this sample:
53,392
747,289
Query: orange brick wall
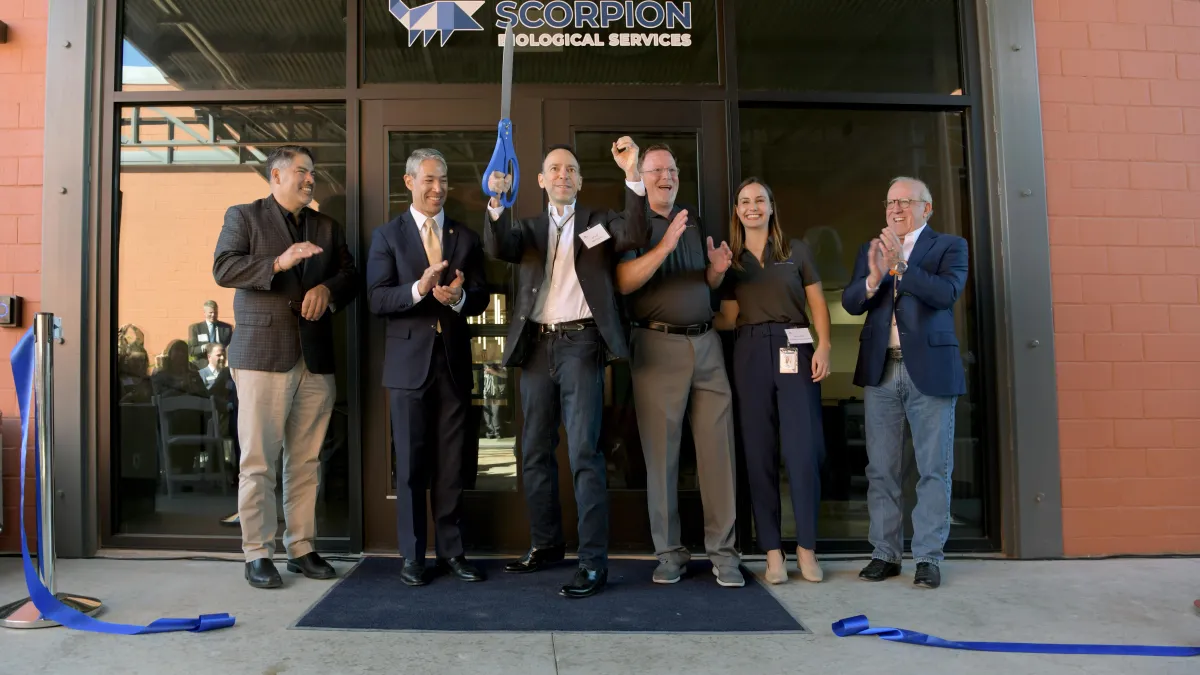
1120,90
22,97
170,222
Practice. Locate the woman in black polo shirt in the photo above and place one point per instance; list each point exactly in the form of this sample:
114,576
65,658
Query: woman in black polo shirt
776,371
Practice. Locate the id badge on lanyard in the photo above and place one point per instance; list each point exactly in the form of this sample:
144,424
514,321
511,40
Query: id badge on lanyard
789,360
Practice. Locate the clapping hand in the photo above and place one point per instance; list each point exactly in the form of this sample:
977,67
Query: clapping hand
674,231
429,278
451,294
719,258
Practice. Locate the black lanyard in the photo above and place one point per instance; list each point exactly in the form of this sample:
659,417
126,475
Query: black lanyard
558,236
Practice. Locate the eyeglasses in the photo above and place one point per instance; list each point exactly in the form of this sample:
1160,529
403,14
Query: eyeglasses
658,172
903,203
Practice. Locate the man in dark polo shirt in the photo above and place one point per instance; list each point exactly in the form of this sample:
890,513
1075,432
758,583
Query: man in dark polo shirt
676,361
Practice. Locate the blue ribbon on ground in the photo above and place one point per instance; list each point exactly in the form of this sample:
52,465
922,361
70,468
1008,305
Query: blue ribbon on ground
858,625
23,359
504,160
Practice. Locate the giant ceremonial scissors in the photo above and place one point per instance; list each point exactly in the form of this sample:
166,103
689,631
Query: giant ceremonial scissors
504,157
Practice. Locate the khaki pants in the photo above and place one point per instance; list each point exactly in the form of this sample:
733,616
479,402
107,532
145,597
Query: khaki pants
280,413
673,374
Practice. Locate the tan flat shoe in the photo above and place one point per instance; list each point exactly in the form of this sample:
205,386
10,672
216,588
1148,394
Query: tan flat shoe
810,568
776,574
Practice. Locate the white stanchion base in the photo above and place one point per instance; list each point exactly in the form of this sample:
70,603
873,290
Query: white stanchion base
22,613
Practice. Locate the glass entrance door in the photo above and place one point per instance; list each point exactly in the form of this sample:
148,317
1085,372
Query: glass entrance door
464,131
695,133
494,517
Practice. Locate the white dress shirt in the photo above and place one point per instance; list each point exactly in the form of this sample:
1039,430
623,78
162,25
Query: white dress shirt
563,301
906,249
420,218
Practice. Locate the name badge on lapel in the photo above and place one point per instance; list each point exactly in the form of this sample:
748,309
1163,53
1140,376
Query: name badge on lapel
595,234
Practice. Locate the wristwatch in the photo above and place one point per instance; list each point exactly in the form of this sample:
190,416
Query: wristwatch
899,268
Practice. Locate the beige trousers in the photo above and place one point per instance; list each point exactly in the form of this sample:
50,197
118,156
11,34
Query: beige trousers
280,414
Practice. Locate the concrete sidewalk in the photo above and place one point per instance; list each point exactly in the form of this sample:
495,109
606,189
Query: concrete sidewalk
1117,601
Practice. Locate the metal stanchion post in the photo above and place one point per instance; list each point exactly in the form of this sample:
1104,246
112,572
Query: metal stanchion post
22,613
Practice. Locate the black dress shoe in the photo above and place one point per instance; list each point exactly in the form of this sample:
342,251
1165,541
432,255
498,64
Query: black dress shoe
879,570
261,573
413,573
536,559
928,576
312,566
459,567
585,584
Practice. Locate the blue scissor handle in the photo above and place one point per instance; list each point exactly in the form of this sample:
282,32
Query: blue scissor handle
502,157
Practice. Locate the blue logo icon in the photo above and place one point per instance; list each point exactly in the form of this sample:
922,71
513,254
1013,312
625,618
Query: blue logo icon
440,16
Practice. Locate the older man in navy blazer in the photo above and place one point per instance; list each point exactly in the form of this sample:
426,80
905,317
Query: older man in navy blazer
907,281
425,276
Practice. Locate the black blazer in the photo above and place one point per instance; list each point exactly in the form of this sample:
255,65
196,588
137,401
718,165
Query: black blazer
396,261
270,334
196,347
937,272
525,244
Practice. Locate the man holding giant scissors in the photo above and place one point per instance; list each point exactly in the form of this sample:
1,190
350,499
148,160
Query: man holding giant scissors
565,319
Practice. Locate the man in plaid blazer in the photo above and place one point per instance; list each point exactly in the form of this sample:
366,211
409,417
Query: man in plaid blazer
292,271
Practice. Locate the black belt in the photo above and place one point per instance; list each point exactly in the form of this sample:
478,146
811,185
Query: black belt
895,354
693,330
565,327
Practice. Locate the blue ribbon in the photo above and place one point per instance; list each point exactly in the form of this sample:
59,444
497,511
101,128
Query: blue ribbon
22,367
858,625
502,157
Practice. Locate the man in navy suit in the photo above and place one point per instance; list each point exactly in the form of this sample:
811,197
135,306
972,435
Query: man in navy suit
907,281
425,276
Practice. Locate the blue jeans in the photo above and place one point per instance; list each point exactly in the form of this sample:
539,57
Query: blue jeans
931,422
563,381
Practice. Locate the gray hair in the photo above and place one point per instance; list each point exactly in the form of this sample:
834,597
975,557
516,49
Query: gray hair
925,194
412,166
281,157
210,303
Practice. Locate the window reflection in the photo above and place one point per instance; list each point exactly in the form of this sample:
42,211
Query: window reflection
175,450
829,170
244,44
491,462
845,45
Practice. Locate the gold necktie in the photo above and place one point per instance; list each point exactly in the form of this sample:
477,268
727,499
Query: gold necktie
433,250
433,243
